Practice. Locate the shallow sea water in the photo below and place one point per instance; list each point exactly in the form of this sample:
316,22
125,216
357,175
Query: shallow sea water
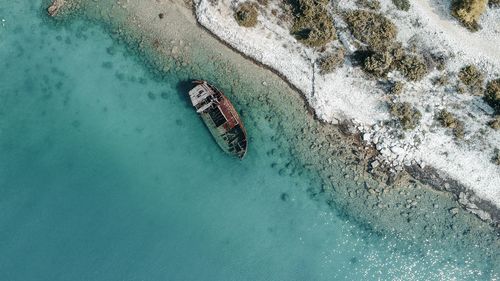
108,174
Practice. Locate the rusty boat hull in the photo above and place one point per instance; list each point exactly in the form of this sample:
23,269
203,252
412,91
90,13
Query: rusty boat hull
220,117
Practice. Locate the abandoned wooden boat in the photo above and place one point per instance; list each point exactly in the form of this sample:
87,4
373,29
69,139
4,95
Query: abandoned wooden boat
220,117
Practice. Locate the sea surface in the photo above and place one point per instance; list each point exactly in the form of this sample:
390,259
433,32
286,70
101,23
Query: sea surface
109,174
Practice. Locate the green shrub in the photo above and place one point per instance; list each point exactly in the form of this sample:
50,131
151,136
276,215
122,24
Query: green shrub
313,25
408,116
369,4
468,12
449,120
412,67
403,5
472,77
330,62
371,28
495,123
246,14
492,95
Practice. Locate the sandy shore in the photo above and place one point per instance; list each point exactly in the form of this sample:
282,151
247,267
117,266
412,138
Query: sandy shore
398,206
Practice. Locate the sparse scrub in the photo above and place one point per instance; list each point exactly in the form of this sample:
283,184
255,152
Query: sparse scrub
403,5
473,78
492,95
331,61
494,3
408,116
264,3
440,61
441,80
468,12
449,120
246,14
495,123
397,88
313,25
369,4
496,156
412,67
371,28
378,64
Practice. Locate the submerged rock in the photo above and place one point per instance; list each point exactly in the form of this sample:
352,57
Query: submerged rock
55,7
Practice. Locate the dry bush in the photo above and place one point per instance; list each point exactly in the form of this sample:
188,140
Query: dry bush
472,78
246,14
495,123
408,116
371,28
494,3
403,5
378,64
441,80
264,3
496,156
449,120
369,4
412,67
331,61
313,25
397,88
468,12
492,94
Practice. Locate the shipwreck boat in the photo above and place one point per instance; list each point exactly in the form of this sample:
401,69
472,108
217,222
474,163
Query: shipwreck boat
220,117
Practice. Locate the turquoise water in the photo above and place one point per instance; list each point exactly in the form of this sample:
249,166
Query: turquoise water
107,174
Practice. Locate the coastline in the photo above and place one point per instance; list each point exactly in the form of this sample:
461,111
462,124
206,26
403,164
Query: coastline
402,154
347,185
483,208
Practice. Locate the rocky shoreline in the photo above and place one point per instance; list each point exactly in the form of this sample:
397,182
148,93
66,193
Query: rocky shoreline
387,203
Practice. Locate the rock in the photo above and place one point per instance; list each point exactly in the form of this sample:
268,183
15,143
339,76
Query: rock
54,7
284,197
366,137
454,211
397,150
481,214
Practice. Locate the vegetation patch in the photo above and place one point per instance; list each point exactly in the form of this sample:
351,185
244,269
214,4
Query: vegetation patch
492,94
313,24
246,14
371,28
403,5
408,116
378,64
473,78
332,61
449,120
495,123
412,67
264,3
397,88
496,156
441,80
468,12
494,3
369,4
